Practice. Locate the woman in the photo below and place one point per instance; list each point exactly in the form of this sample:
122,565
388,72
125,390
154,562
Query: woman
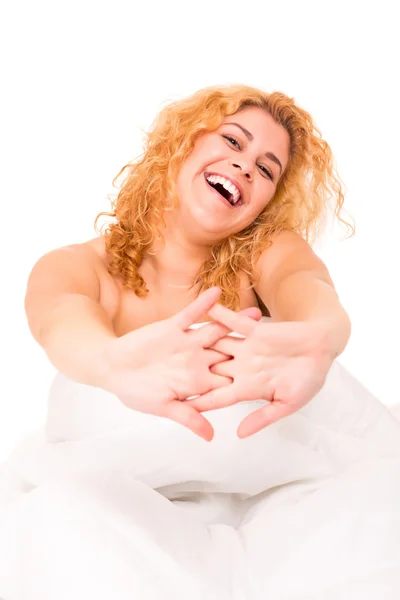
211,222
229,183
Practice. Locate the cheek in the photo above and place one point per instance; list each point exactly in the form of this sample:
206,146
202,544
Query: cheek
205,153
180,181
186,173
262,196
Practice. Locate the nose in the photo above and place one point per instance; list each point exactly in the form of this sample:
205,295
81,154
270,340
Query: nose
245,168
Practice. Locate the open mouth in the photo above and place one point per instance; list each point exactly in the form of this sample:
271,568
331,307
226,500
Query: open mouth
225,193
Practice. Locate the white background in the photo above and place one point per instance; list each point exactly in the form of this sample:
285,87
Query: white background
80,81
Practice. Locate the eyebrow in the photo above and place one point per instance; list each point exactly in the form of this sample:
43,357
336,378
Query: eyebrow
250,137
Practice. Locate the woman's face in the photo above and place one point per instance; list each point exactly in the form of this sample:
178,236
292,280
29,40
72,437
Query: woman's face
253,155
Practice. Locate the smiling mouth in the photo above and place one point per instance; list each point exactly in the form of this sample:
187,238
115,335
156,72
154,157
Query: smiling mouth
218,187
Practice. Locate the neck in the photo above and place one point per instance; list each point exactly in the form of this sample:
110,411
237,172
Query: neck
176,260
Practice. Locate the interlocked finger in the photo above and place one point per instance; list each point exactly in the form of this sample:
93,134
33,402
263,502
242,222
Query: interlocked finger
217,381
226,368
213,358
227,345
217,398
240,323
209,334
196,309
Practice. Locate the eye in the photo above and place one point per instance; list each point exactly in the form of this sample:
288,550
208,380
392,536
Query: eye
231,139
268,172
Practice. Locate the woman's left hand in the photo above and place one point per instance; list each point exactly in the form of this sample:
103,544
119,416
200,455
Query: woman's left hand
285,363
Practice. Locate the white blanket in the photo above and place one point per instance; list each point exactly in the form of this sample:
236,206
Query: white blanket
109,503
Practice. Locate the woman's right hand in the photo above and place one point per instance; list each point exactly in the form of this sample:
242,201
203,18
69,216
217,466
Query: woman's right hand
154,369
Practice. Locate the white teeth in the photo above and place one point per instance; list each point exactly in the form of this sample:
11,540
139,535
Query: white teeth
228,185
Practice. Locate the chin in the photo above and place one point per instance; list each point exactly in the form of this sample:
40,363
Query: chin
207,222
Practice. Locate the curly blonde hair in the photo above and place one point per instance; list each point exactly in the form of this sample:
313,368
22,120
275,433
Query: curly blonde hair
300,202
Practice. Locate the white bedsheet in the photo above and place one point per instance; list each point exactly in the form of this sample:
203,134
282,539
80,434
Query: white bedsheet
106,502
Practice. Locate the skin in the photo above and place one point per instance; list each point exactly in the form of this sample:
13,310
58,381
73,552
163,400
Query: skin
201,220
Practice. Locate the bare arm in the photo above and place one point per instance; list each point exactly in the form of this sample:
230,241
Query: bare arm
65,316
296,286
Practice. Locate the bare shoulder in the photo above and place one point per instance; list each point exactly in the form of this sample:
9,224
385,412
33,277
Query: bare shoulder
95,246
289,252
288,246
83,252
95,251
